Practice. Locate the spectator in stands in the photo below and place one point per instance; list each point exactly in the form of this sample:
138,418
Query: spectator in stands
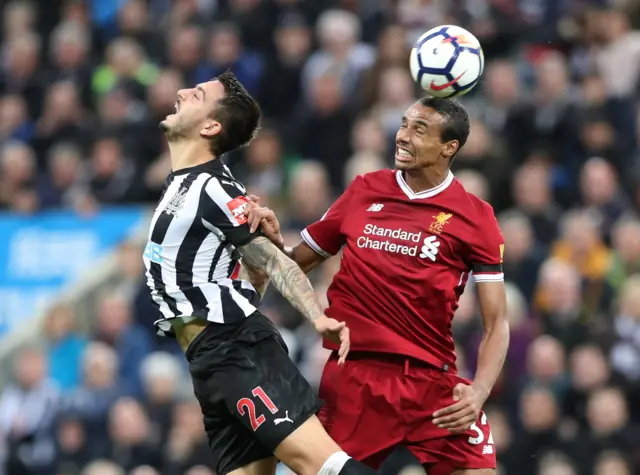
125,60
130,436
20,73
14,119
62,119
98,391
27,411
601,193
625,354
395,96
187,445
69,52
581,245
392,53
558,300
19,17
162,380
625,259
618,44
309,193
589,371
17,174
130,342
66,347
226,51
280,85
111,174
73,446
539,415
474,182
546,365
60,185
323,128
103,467
610,429
185,45
265,173
338,32
522,254
612,462
534,198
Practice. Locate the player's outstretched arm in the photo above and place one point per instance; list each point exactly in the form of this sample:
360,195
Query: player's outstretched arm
294,285
265,219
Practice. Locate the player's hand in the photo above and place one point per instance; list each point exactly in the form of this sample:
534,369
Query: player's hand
258,216
337,332
465,410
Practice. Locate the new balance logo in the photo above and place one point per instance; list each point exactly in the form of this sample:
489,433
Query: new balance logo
430,248
375,207
487,450
283,419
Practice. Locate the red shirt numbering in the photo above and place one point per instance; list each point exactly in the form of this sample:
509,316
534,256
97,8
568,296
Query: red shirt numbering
406,260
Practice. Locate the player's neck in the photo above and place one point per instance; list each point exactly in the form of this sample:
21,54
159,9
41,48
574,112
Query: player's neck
185,154
425,178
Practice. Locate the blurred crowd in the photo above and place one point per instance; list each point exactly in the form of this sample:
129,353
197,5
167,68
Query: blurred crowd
554,147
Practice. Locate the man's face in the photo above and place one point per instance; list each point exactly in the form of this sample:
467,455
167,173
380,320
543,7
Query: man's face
418,143
193,116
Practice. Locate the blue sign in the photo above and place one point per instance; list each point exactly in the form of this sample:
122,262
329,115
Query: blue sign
40,255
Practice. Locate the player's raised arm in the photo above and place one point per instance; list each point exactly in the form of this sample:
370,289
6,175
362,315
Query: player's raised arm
263,218
293,284
320,240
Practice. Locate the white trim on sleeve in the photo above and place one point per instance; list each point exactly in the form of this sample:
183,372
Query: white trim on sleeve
306,237
488,277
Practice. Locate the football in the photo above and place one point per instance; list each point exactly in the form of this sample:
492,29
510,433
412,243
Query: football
447,61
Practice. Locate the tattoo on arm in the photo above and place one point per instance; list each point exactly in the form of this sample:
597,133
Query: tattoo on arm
258,278
285,274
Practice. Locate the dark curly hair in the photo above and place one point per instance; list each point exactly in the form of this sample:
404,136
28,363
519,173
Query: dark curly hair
238,113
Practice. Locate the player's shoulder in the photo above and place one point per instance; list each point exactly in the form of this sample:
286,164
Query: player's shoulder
476,206
375,178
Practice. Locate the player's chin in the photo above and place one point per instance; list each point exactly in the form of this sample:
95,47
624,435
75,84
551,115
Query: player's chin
404,164
167,123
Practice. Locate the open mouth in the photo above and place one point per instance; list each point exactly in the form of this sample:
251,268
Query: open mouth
403,155
177,109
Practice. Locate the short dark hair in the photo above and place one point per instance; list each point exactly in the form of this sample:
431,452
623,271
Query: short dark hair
239,114
456,119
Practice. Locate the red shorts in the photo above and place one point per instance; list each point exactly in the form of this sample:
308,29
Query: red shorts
374,405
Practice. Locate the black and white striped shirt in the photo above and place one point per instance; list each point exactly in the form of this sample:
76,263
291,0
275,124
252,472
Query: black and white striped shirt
191,257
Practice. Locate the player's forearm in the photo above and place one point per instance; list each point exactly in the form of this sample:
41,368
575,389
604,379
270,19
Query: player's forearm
285,275
306,258
491,356
257,278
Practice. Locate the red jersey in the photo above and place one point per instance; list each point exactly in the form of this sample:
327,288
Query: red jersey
406,260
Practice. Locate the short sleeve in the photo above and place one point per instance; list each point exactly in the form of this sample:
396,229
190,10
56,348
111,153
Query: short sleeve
486,252
325,236
223,206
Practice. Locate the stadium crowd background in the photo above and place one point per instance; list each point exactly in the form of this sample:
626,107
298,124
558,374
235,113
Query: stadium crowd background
553,146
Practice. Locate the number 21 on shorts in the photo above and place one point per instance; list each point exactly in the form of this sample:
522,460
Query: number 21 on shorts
247,405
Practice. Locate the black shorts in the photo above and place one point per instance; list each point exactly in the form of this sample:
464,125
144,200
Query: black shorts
251,394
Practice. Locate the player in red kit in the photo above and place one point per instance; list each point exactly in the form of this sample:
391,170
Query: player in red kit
411,238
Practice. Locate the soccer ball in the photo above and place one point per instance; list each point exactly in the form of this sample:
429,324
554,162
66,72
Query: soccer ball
447,61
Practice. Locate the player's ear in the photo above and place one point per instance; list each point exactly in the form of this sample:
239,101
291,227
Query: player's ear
450,148
210,128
